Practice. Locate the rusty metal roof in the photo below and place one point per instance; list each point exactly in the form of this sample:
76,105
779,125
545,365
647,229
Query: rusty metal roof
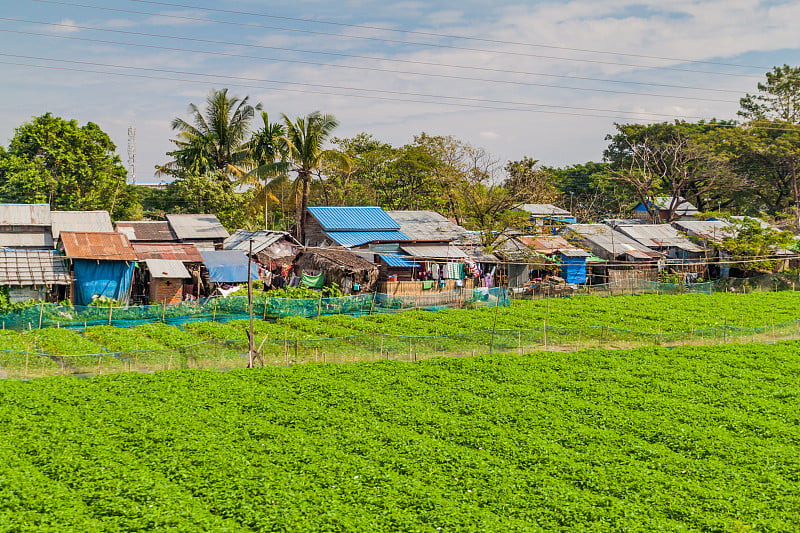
146,230
24,214
33,267
95,221
188,253
108,246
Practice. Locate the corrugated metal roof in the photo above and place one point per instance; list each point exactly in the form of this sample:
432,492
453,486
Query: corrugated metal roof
349,239
188,253
166,268
261,239
26,239
712,230
548,210
574,252
354,219
24,214
103,246
658,236
427,226
197,227
146,230
610,241
662,203
91,221
33,267
433,251
397,261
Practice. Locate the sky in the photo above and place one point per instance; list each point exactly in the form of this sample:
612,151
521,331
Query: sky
542,79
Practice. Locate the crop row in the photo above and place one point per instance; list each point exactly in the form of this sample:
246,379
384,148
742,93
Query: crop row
643,440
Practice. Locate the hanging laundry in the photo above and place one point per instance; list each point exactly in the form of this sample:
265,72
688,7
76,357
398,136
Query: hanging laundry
453,271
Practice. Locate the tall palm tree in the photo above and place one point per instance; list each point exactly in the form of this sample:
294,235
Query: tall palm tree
214,141
304,141
269,172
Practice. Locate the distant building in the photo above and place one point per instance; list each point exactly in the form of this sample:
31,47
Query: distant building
25,226
661,205
204,231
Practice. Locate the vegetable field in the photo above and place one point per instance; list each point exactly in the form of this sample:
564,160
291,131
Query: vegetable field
652,439
558,324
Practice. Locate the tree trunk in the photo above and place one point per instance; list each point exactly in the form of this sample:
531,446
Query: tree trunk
301,216
266,208
796,196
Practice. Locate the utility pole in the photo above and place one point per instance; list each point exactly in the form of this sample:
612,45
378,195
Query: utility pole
251,354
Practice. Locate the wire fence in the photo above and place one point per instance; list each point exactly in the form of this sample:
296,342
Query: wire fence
223,354
218,308
635,287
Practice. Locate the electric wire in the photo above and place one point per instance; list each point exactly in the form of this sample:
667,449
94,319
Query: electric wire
356,56
394,41
378,91
448,36
374,69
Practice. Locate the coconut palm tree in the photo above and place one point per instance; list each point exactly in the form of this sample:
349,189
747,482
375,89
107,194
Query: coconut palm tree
304,143
269,172
214,141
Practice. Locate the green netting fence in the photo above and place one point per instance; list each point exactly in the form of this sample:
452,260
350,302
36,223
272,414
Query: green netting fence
236,307
764,283
226,354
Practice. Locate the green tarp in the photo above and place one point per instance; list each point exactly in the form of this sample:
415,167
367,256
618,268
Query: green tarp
315,282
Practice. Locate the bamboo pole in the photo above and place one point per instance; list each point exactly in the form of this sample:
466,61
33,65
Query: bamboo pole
741,328
580,331
319,304
42,366
519,341
27,350
372,305
214,313
381,350
110,311
99,364
163,310
772,319
41,310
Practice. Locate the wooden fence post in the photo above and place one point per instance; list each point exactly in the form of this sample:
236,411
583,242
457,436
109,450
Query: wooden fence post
110,311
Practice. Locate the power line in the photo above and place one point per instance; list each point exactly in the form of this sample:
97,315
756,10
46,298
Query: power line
369,97
379,91
375,69
393,41
447,36
356,56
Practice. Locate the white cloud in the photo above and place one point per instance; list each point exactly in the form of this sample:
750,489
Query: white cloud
64,26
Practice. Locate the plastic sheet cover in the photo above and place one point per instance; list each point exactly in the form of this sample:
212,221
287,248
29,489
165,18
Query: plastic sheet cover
111,279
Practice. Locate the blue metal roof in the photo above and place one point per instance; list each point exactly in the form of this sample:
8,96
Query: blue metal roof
354,219
397,261
348,239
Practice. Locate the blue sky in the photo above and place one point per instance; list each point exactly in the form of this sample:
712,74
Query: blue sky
714,52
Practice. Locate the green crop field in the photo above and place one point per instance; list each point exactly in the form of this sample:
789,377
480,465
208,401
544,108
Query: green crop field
652,439
572,324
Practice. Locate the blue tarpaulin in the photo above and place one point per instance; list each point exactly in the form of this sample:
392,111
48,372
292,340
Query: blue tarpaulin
573,269
228,266
111,279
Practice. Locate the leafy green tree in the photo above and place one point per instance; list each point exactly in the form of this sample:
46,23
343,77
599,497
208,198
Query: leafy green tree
269,172
215,141
590,192
667,160
304,146
209,194
71,167
777,99
752,241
